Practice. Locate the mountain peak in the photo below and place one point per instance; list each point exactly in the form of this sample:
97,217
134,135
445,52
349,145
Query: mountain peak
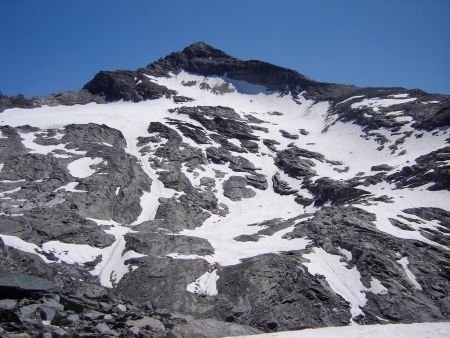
203,50
203,59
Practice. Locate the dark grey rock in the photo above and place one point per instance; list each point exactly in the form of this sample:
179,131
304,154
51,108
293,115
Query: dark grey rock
181,213
9,316
282,187
303,200
21,283
401,225
8,304
220,119
375,254
93,315
263,129
296,162
429,168
182,99
337,192
159,244
270,293
195,133
381,167
257,181
147,322
125,85
163,281
103,328
47,313
271,144
235,188
250,146
285,134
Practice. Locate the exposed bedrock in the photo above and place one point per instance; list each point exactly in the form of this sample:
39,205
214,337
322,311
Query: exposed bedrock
271,292
378,254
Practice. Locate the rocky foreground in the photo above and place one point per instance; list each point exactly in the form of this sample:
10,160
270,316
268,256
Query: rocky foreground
206,196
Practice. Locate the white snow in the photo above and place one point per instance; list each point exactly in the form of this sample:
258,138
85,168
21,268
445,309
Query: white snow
71,253
376,287
221,231
112,266
346,253
415,330
149,199
344,281
205,284
70,187
117,191
82,167
404,262
12,181
351,98
376,103
7,192
28,141
395,113
11,215
399,96
104,221
19,244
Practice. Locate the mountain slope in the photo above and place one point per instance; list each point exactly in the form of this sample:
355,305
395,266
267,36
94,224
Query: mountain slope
203,186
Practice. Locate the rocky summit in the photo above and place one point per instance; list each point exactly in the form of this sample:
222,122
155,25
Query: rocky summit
207,196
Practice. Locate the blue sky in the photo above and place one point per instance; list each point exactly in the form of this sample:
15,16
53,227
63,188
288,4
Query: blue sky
54,45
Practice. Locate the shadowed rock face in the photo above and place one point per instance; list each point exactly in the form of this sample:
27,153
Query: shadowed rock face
203,59
250,293
305,205
126,85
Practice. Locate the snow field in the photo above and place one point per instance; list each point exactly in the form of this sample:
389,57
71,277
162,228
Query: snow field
352,150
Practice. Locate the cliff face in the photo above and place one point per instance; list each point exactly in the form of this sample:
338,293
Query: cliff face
239,192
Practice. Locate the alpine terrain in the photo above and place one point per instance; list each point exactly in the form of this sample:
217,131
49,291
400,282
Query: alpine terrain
206,196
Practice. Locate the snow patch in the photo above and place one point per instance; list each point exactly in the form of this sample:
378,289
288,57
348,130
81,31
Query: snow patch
205,285
344,281
71,253
81,168
19,244
112,267
70,187
28,142
404,262
350,98
376,103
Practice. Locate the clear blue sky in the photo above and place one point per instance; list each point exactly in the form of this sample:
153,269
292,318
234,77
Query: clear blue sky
54,45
